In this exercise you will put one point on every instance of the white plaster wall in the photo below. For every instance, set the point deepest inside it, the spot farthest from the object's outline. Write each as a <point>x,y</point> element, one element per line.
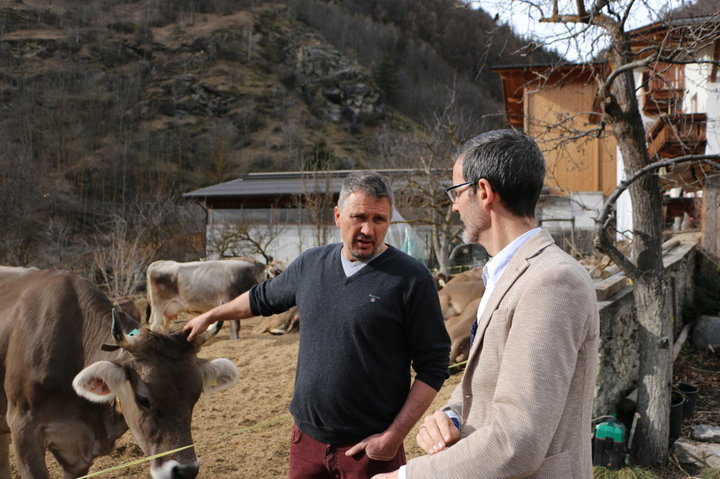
<point>623,206</point>
<point>586,208</point>
<point>701,96</point>
<point>292,240</point>
<point>697,83</point>
<point>289,243</point>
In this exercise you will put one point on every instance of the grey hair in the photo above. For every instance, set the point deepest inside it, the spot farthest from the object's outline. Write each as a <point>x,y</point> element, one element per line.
<point>511,162</point>
<point>372,183</point>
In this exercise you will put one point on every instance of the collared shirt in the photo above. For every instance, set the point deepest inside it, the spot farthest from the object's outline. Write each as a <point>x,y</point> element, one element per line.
<point>494,269</point>
<point>492,272</point>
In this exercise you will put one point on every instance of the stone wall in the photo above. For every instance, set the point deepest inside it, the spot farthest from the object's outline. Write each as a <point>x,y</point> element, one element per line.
<point>619,354</point>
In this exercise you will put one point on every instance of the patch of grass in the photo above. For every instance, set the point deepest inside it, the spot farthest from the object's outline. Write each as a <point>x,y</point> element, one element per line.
<point>710,473</point>
<point>632,472</point>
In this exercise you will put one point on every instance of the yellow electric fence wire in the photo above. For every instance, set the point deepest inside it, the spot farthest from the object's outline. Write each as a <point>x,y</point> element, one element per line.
<point>222,436</point>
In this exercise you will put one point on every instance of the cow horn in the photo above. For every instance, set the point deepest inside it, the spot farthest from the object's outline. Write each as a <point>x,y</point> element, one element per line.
<point>122,339</point>
<point>211,331</point>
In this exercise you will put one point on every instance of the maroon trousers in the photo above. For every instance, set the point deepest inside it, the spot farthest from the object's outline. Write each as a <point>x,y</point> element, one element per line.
<point>311,459</point>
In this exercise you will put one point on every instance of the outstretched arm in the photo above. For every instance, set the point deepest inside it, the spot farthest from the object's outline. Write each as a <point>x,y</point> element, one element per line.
<point>238,308</point>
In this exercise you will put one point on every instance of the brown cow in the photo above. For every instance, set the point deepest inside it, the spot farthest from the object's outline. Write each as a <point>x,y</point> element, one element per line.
<point>197,286</point>
<point>281,323</point>
<point>458,328</point>
<point>457,295</point>
<point>70,360</point>
<point>474,274</point>
<point>130,307</point>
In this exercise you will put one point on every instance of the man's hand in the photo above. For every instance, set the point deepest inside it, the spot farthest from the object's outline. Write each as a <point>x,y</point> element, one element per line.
<point>198,325</point>
<point>378,447</point>
<point>436,432</point>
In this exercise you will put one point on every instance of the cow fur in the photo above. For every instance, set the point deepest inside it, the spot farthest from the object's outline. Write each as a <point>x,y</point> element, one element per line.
<point>52,327</point>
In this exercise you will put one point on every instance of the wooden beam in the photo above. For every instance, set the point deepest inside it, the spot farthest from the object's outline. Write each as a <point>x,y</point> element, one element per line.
<point>610,286</point>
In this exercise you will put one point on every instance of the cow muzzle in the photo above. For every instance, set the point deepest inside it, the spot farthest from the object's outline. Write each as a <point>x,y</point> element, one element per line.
<point>174,470</point>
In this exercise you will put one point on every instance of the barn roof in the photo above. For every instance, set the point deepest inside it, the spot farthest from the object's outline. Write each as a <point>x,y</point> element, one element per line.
<point>262,188</point>
<point>274,184</point>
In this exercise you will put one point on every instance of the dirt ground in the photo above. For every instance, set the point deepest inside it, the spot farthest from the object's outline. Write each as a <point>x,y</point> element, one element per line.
<point>243,432</point>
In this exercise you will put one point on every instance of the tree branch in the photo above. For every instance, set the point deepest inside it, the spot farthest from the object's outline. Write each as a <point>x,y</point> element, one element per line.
<point>602,240</point>
<point>622,69</point>
<point>626,14</point>
<point>605,243</point>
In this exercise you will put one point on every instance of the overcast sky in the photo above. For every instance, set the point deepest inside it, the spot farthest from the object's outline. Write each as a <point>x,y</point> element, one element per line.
<point>524,20</point>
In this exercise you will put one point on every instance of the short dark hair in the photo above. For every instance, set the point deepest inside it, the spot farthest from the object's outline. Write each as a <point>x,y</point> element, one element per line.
<point>511,162</point>
<point>372,183</point>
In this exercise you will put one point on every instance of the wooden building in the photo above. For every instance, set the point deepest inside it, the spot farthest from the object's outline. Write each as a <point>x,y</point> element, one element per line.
<point>679,105</point>
<point>556,106</point>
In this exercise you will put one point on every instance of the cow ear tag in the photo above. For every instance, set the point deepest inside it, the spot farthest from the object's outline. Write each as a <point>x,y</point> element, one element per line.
<point>114,347</point>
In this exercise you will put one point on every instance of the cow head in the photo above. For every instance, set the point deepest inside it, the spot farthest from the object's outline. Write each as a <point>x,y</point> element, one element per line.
<point>273,269</point>
<point>156,382</point>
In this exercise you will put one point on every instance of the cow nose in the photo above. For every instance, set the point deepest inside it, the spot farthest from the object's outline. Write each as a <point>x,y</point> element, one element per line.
<point>185,471</point>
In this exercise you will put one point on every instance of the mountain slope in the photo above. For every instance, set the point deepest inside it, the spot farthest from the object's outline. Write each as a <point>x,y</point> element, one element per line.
<point>108,107</point>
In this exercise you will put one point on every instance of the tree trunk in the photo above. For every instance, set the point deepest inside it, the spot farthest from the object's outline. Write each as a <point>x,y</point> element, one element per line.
<point>440,248</point>
<point>650,288</point>
<point>655,375</point>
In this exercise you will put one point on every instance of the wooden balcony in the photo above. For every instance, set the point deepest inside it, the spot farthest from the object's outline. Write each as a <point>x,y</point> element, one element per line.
<point>663,89</point>
<point>663,101</point>
<point>677,135</point>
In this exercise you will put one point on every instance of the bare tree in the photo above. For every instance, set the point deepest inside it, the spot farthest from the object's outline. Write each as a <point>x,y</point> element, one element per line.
<point>318,200</point>
<point>245,239</point>
<point>430,152</point>
<point>672,42</point>
<point>59,235</point>
<point>122,261</point>
<point>166,224</point>
<point>423,198</point>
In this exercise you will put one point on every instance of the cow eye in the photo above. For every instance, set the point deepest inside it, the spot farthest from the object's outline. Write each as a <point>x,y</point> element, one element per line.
<point>142,401</point>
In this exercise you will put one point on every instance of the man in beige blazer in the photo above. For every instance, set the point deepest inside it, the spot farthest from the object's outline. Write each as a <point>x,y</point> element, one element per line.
<point>523,408</point>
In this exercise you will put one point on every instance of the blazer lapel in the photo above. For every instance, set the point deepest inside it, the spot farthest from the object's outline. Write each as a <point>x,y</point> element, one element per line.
<point>517,266</point>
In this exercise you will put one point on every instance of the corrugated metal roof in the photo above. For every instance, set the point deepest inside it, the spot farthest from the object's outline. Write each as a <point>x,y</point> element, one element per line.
<point>287,183</point>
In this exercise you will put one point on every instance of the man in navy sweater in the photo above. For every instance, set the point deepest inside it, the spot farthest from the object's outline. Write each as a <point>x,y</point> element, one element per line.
<point>369,313</point>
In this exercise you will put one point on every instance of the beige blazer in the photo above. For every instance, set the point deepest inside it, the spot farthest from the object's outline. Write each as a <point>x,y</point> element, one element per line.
<point>526,396</point>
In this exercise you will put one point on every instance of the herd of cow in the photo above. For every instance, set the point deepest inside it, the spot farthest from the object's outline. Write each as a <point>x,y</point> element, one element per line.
<point>78,371</point>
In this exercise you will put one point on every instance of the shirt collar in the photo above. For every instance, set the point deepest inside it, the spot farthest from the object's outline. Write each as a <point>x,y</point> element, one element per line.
<point>494,268</point>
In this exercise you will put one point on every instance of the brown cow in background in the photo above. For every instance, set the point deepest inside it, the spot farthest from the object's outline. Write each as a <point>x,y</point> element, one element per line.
<point>457,295</point>
<point>458,328</point>
<point>459,301</point>
<point>281,323</point>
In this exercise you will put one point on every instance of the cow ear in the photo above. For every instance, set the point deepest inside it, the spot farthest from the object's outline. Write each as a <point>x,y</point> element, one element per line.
<point>97,382</point>
<point>218,374</point>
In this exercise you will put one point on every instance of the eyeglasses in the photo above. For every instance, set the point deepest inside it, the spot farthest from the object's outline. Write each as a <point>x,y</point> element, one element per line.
<point>453,193</point>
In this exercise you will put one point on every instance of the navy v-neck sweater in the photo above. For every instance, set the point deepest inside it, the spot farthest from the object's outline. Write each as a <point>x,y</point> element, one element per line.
<point>359,337</point>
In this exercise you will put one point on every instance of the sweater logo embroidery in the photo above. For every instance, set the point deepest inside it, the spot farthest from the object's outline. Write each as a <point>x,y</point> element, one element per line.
<point>373,298</point>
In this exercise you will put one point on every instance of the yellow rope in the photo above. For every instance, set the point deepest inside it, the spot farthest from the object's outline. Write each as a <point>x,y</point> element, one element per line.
<point>150,458</point>
<point>222,436</point>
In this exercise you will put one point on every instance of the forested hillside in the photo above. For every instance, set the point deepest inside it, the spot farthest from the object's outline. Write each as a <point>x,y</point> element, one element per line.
<point>112,109</point>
